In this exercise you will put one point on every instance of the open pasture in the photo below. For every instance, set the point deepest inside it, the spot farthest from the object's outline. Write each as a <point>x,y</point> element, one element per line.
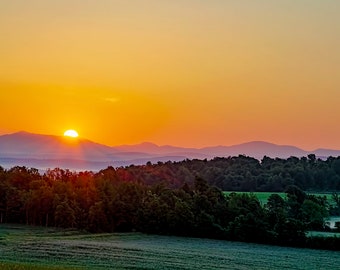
<point>26,248</point>
<point>263,196</point>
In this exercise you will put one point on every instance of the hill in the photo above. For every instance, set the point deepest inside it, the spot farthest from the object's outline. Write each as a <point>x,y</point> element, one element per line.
<point>46,151</point>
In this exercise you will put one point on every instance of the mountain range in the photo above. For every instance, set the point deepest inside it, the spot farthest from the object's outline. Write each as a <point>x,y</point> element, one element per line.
<point>47,151</point>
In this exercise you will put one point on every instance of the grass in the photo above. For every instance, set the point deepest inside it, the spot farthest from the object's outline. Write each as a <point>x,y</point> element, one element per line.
<point>25,248</point>
<point>263,196</point>
<point>323,234</point>
<point>16,266</point>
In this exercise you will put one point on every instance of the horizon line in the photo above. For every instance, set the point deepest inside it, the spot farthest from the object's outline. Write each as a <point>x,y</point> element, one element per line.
<point>176,146</point>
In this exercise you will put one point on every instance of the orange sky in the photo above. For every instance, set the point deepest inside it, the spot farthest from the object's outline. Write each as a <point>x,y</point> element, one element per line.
<point>186,73</point>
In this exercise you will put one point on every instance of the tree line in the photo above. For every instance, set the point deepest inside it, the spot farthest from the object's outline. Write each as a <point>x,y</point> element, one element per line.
<point>244,173</point>
<point>121,200</point>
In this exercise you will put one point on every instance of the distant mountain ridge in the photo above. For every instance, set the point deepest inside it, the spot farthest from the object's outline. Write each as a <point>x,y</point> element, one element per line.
<point>48,151</point>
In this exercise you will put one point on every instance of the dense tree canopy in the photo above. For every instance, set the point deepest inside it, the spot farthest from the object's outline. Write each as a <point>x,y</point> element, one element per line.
<point>243,173</point>
<point>180,198</point>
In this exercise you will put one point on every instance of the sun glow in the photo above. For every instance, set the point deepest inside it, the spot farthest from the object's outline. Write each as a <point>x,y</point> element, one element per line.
<point>71,133</point>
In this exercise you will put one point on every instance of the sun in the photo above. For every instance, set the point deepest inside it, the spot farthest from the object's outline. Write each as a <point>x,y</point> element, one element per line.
<point>71,133</point>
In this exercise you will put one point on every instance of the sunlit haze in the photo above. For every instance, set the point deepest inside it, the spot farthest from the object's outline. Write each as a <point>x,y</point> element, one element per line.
<point>71,133</point>
<point>186,73</point>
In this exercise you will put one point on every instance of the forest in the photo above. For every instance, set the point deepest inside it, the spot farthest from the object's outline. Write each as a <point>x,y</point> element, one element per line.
<point>182,198</point>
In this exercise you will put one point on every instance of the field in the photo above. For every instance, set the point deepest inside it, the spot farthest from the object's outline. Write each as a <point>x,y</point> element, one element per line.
<point>24,248</point>
<point>323,234</point>
<point>263,196</point>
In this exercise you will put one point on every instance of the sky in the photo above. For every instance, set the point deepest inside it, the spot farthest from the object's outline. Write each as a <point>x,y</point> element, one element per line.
<point>189,73</point>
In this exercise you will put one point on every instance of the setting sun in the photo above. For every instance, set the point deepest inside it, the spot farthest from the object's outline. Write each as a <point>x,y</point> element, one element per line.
<point>71,133</point>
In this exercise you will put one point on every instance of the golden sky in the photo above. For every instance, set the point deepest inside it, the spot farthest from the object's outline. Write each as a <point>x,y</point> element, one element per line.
<point>188,72</point>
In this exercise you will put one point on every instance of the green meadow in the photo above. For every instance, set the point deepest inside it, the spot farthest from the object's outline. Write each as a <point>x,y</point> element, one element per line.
<point>263,196</point>
<point>26,248</point>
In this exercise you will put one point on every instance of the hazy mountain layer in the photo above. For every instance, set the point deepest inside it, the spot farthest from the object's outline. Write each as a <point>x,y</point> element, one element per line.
<point>46,151</point>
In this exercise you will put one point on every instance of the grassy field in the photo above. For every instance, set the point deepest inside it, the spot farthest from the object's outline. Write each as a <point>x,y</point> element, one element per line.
<point>22,266</point>
<point>263,196</point>
<point>323,234</point>
<point>24,248</point>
